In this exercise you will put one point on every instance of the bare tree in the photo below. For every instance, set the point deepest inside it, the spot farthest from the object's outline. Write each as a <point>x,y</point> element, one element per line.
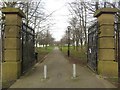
<point>35,14</point>
<point>84,12</point>
<point>79,10</point>
<point>45,38</point>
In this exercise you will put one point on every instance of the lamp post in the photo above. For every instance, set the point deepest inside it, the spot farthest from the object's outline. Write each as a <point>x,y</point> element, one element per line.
<point>68,40</point>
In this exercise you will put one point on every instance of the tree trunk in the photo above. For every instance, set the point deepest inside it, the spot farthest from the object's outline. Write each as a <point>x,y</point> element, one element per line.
<point>77,44</point>
<point>73,41</point>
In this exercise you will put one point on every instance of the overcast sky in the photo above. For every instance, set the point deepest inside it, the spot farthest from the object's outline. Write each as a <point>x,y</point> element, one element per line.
<point>60,16</point>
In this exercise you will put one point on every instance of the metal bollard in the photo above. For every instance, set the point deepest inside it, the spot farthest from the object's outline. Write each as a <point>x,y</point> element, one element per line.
<point>45,71</point>
<point>74,70</point>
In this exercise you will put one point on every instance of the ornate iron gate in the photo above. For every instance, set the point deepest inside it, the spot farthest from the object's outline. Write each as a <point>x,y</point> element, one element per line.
<point>117,43</point>
<point>119,52</point>
<point>2,36</point>
<point>119,55</point>
<point>92,47</point>
<point>116,25</point>
<point>28,42</point>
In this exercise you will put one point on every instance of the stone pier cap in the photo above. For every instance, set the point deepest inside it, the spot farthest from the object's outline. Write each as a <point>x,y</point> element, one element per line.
<point>106,11</point>
<point>10,10</point>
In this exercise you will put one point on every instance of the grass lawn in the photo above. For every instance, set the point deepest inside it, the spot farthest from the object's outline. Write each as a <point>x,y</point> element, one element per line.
<point>42,51</point>
<point>79,56</point>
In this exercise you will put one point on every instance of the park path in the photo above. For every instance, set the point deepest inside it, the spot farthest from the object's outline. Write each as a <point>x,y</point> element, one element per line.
<point>60,75</point>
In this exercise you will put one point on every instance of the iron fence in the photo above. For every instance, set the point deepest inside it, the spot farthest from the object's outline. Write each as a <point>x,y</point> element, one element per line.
<point>28,42</point>
<point>117,46</point>
<point>116,25</point>
<point>92,47</point>
<point>119,55</point>
<point>2,39</point>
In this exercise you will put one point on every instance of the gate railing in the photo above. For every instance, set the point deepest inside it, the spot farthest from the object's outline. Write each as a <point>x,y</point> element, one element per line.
<point>92,47</point>
<point>117,45</point>
<point>28,42</point>
<point>117,38</point>
<point>2,36</point>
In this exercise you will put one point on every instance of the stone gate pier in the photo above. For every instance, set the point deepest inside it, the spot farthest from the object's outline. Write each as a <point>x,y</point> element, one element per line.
<point>11,63</point>
<point>107,65</point>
